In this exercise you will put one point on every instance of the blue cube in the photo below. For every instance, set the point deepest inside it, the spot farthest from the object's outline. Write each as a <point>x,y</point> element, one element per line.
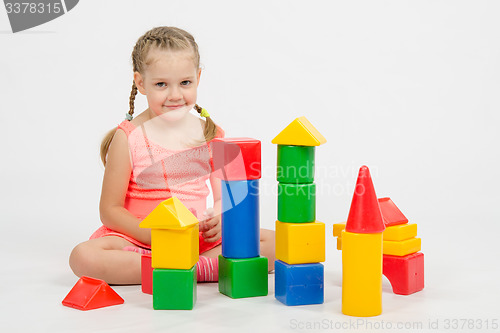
<point>240,219</point>
<point>299,284</point>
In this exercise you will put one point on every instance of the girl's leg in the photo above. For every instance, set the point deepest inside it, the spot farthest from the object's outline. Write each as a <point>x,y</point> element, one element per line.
<point>266,248</point>
<point>103,258</point>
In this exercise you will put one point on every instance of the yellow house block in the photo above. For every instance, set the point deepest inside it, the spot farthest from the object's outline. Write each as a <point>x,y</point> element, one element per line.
<point>300,132</point>
<point>337,229</point>
<point>400,232</point>
<point>175,249</point>
<point>361,274</point>
<point>402,248</point>
<point>170,214</point>
<point>300,243</point>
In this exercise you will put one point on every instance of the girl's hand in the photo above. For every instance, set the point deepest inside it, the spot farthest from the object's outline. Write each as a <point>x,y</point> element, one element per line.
<point>210,226</point>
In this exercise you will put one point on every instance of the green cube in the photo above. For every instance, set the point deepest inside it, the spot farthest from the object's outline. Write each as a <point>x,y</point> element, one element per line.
<point>297,202</point>
<point>174,289</point>
<point>239,278</point>
<point>295,164</point>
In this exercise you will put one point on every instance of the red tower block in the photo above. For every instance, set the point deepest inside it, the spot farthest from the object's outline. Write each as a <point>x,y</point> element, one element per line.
<point>406,274</point>
<point>146,274</point>
<point>89,293</point>
<point>236,158</point>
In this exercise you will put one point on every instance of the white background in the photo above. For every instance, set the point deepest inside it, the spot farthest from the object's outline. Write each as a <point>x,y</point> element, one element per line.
<point>411,89</point>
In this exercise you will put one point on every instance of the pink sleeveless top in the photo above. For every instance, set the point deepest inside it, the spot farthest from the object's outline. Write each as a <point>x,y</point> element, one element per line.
<point>159,173</point>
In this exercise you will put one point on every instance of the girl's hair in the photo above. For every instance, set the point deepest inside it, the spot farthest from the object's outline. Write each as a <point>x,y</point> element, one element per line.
<point>168,39</point>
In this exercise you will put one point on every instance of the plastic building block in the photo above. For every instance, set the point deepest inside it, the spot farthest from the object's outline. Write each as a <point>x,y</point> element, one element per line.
<point>174,289</point>
<point>299,284</point>
<point>146,274</point>
<point>296,202</point>
<point>240,218</point>
<point>300,132</point>
<point>295,164</point>
<point>361,274</point>
<point>239,278</point>
<point>170,214</point>
<point>175,249</point>
<point>236,158</point>
<point>339,243</point>
<point>300,243</point>
<point>391,213</point>
<point>400,232</point>
<point>402,248</point>
<point>89,293</point>
<point>364,216</point>
<point>337,229</point>
<point>406,274</point>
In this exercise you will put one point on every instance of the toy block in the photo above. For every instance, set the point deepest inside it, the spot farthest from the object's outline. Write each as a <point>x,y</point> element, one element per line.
<point>300,243</point>
<point>337,229</point>
<point>174,289</point>
<point>402,248</point>
<point>175,249</point>
<point>391,213</point>
<point>146,274</point>
<point>296,202</point>
<point>300,132</point>
<point>406,274</point>
<point>299,284</point>
<point>339,243</point>
<point>361,274</point>
<point>400,232</point>
<point>364,215</point>
<point>170,214</point>
<point>240,219</point>
<point>239,278</point>
<point>236,158</point>
<point>89,293</point>
<point>295,164</point>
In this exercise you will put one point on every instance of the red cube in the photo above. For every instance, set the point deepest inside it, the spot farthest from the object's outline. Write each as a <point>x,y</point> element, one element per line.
<point>236,158</point>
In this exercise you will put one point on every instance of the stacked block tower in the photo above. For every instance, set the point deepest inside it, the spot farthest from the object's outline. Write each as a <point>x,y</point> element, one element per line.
<point>362,252</point>
<point>403,264</point>
<point>300,239</point>
<point>174,254</point>
<point>243,272</point>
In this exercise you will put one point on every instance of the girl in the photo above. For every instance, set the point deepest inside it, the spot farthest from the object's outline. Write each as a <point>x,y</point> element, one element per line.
<point>163,152</point>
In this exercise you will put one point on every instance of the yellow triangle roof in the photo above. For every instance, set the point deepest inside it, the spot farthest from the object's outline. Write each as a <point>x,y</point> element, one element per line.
<point>169,214</point>
<point>300,132</point>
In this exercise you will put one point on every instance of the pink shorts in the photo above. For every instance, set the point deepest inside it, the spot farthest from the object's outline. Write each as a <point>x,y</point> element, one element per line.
<point>141,208</point>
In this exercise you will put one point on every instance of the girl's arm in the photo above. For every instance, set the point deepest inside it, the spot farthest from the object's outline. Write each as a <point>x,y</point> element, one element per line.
<point>114,188</point>
<point>211,225</point>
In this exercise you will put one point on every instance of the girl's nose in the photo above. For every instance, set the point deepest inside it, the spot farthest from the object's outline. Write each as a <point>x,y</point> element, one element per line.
<point>174,94</point>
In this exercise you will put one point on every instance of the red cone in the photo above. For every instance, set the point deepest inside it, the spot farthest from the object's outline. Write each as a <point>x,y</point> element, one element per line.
<point>89,293</point>
<point>364,215</point>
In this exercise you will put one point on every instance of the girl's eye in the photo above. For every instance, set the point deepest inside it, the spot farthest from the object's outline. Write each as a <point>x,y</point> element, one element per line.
<point>161,84</point>
<point>185,83</point>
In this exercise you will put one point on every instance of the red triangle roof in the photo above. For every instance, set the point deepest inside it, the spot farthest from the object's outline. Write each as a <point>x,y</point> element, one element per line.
<point>364,216</point>
<point>89,293</point>
<point>391,213</point>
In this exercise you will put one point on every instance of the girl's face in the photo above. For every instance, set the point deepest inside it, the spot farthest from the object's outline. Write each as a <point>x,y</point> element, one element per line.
<point>170,83</point>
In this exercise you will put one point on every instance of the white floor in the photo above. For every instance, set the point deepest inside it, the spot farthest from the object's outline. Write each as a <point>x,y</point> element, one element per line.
<point>461,292</point>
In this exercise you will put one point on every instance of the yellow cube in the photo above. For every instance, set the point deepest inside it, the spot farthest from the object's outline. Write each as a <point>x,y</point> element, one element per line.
<point>300,243</point>
<point>339,243</point>
<point>402,248</point>
<point>175,248</point>
<point>400,232</point>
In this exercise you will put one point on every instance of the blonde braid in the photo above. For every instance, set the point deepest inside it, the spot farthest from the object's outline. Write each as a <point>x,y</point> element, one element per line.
<point>133,93</point>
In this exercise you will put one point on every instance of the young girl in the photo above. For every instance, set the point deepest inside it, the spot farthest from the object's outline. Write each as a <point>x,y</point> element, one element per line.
<point>163,152</point>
